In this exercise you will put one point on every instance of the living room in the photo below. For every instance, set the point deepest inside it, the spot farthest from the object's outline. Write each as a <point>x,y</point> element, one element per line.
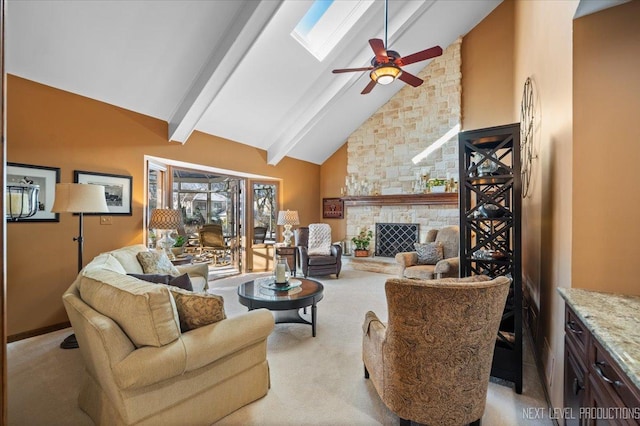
<point>585,75</point>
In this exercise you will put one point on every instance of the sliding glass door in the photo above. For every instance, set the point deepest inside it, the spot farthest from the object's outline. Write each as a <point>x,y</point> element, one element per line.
<point>245,208</point>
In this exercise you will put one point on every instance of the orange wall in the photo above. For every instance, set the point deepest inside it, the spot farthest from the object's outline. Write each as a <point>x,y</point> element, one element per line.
<point>54,128</point>
<point>533,39</point>
<point>332,174</point>
<point>606,186</point>
<point>487,71</point>
<point>579,229</point>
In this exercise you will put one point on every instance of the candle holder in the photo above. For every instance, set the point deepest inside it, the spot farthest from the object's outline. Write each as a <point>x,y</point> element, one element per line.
<point>282,272</point>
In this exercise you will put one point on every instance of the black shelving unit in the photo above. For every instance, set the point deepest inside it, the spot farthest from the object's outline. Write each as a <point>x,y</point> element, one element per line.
<point>490,229</point>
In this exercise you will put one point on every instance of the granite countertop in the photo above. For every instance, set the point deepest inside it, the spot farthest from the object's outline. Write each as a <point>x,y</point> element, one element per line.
<point>614,320</point>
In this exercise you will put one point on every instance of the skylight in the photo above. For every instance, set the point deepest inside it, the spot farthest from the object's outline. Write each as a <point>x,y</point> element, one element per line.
<point>326,22</point>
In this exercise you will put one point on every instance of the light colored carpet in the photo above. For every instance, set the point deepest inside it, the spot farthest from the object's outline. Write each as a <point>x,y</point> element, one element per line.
<point>314,381</point>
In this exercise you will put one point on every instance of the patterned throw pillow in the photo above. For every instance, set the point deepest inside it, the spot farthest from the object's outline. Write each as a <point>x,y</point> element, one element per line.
<point>429,253</point>
<point>197,309</point>
<point>319,239</point>
<point>156,262</point>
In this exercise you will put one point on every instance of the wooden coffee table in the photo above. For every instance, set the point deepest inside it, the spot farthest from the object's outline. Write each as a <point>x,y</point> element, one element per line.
<point>285,304</point>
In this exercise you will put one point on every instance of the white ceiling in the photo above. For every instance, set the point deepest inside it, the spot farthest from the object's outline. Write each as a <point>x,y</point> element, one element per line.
<point>225,67</point>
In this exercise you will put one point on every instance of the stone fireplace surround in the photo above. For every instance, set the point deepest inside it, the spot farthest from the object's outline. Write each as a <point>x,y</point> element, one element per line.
<point>381,150</point>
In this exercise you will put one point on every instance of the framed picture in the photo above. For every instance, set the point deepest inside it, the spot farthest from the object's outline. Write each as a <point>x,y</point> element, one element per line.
<point>332,208</point>
<point>46,178</point>
<point>117,190</point>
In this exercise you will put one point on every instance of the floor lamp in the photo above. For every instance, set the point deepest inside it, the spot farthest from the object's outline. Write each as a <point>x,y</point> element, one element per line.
<point>78,198</point>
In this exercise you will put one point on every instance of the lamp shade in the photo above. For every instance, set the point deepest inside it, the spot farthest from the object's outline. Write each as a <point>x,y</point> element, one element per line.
<point>79,198</point>
<point>165,219</point>
<point>288,218</point>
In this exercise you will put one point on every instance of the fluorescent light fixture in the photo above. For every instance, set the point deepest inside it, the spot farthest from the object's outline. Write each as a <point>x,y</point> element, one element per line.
<point>437,144</point>
<point>326,22</point>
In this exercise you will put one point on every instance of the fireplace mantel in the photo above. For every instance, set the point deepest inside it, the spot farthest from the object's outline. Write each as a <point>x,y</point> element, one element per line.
<point>433,199</point>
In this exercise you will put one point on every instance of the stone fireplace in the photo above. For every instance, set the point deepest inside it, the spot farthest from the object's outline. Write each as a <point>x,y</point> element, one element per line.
<point>380,152</point>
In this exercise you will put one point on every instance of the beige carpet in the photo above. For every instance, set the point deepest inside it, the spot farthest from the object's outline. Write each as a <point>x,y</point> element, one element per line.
<point>314,381</point>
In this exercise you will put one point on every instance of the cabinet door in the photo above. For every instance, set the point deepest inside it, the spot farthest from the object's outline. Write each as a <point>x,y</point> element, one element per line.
<point>599,399</point>
<point>574,385</point>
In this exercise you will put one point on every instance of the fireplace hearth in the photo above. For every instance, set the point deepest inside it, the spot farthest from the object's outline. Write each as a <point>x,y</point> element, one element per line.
<point>393,238</point>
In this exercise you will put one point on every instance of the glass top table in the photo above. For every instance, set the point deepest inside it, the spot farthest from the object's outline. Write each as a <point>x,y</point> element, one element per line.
<point>285,304</point>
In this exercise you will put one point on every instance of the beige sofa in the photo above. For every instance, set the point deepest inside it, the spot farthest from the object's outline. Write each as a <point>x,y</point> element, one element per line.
<point>141,369</point>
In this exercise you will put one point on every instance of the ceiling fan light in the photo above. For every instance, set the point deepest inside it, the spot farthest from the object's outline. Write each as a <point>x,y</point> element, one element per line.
<point>385,74</point>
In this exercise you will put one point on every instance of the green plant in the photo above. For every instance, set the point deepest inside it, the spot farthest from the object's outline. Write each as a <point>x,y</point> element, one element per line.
<point>180,241</point>
<point>363,239</point>
<point>437,182</point>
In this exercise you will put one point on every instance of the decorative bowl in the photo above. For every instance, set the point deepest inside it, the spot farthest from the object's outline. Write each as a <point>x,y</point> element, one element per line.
<point>491,211</point>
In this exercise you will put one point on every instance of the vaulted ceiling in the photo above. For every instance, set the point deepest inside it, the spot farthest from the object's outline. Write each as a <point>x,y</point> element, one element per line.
<point>228,68</point>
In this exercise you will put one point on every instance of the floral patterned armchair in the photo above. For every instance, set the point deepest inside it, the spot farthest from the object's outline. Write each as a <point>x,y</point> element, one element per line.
<point>431,362</point>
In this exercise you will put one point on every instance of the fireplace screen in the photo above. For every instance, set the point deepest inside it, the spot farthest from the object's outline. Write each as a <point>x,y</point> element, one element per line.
<point>393,238</point>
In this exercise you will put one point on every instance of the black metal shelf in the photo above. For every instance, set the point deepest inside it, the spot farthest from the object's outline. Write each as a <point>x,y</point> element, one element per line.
<point>496,150</point>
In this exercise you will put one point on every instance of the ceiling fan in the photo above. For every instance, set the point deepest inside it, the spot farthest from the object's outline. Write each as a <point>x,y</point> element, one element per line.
<point>387,65</point>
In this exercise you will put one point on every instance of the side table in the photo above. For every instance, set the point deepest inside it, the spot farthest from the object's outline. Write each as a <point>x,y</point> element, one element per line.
<point>291,254</point>
<point>184,260</point>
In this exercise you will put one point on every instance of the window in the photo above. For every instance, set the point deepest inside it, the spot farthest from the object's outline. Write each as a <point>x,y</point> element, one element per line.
<point>326,22</point>
<point>265,207</point>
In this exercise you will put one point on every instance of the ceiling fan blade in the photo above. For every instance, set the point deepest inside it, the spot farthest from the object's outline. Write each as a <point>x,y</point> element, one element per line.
<point>410,79</point>
<point>369,87</point>
<point>420,56</point>
<point>338,71</point>
<point>378,48</point>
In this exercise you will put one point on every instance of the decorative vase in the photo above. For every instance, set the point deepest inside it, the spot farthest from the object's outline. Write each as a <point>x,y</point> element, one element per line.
<point>361,253</point>
<point>177,250</point>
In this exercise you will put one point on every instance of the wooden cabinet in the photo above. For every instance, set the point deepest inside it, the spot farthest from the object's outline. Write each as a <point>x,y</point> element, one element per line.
<point>595,387</point>
<point>490,230</point>
<point>575,369</point>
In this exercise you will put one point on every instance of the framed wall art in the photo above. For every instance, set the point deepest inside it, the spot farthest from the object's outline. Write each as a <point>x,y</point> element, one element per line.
<point>46,178</point>
<point>117,190</point>
<point>332,208</point>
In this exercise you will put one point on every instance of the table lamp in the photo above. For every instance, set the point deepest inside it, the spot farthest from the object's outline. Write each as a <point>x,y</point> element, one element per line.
<point>288,219</point>
<point>166,220</point>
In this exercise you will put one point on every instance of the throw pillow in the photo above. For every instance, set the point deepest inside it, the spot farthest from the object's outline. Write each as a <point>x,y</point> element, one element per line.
<point>319,239</point>
<point>156,262</point>
<point>152,278</point>
<point>197,309</point>
<point>182,281</point>
<point>429,253</point>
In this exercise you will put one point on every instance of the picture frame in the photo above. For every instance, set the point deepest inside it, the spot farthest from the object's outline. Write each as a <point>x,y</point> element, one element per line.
<point>118,190</point>
<point>332,208</point>
<point>43,176</point>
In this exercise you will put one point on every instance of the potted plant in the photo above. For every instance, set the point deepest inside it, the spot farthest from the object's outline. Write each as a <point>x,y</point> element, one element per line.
<point>178,246</point>
<point>362,241</point>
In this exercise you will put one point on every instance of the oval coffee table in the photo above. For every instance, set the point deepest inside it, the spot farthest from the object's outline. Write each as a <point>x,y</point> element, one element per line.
<point>285,304</point>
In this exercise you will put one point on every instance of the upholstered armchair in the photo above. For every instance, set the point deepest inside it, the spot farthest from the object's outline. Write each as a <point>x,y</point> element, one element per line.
<point>317,255</point>
<point>447,265</point>
<point>430,363</point>
<point>212,241</point>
